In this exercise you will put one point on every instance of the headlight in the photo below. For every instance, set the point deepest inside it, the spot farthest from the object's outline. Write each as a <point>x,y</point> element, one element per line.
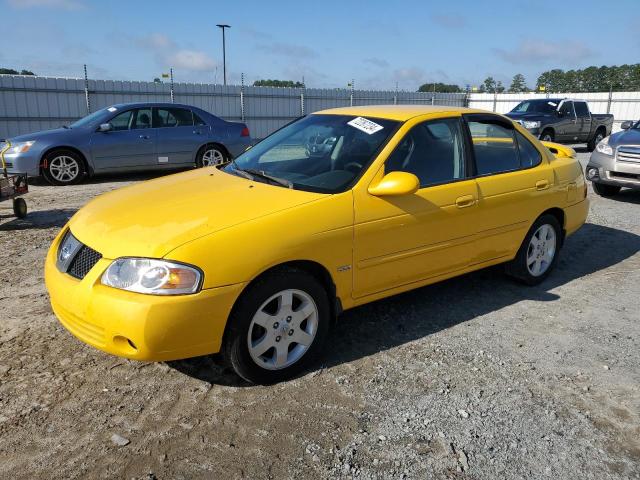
<point>20,147</point>
<point>604,148</point>
<point>528,124</point>
<point>155,277</point>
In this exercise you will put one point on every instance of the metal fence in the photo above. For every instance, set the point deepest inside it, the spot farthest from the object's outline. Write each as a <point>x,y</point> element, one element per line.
<point>29,104</point>
<point>623,105</point>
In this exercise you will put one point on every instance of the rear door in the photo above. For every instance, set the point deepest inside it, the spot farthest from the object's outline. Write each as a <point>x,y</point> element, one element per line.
<point>130,143</point>
<point>178,136</point>
<point>584,120</point>
<point>513,182</point>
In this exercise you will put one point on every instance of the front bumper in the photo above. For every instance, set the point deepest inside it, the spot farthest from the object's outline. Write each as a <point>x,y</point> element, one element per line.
<point>611,171</point>
<point>138,326</point>
<point>28,163</point>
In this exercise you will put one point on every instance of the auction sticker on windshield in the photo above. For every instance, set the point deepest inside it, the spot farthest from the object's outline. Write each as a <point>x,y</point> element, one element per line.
<point>367,126</point>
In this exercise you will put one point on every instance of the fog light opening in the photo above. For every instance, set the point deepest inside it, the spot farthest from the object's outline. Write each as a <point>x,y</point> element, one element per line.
<point>592,173</point>
<point>125,345</point>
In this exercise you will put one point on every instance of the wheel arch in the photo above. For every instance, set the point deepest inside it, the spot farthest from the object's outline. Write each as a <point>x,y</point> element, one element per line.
<point>213,144</point>
<point>46,153</point>
<point>560,215</point>
<point>313,268</point>
<point>548,128</point>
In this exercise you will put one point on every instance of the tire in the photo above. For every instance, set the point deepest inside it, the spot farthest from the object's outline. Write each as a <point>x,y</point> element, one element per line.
<point>605,190</point>
<point>524,267</point>
<point>63,167</point>
<point>211,155</point>
<point>547,136</point>
<point>591,144</point>
<point>261,326</point>
<point>19,207</point>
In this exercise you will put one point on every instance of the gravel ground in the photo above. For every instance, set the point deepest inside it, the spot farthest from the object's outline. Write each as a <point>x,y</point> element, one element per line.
<point>476,377</point>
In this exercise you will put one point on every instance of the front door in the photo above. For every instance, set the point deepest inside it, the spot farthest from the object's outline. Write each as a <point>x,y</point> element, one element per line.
<point>405,239</point>
<point>567,129</point>
<point>130,143</point>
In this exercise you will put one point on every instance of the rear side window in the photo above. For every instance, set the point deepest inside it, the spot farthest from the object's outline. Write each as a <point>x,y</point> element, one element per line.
<point>172,117</point>
<point>529,155</point>
<point>494,147</point>
<point>581,109</point>
<point>198,121</point>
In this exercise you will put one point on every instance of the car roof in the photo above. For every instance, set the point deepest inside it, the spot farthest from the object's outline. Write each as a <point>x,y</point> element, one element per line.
<point>396,112</point>
<point>152,104</point>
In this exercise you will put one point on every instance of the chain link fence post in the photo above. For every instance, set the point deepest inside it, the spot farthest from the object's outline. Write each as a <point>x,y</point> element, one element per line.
<point>171,84</point>
<point>86,89</point>
<point>302,98</point>
<point>395,95</point>
<point>610,98</point>
<point>242,96</point>
<point>351,95</point>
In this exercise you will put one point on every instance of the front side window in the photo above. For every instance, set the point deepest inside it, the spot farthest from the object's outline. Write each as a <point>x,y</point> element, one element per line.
<point>494,147</point>
<point>567,109</point>
<point>122,121</point>
<point>321,153</point>
<point>433,151</point>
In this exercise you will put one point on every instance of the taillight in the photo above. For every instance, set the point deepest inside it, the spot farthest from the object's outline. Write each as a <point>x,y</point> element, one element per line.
<point>244,132</point>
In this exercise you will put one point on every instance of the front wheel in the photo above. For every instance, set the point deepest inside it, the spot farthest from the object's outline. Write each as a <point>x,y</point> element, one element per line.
<point>605,190</point>
<point>63,167</point>
<point>547,136</point>
<point>277,327</point>
<point>538,253</point>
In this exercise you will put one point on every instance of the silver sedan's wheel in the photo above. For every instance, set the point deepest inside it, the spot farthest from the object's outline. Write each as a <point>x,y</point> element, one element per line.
<point>211,157</point>
<point>283,329</point>
<point>541,250</point>
<point>64,169</point>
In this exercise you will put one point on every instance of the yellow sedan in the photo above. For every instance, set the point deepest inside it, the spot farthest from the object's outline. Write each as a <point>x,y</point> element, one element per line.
<point>256,258</point>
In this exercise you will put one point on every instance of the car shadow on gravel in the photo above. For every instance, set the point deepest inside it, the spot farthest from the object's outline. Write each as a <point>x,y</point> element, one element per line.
<point>384,324</point>
<point>39,219</point>
<point>627,196</point>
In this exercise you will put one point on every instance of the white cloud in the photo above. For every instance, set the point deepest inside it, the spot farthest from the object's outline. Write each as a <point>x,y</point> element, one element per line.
<point>155,41</point>
<point>541,51</point>
<point>58,4</point>
<point>191,60</point>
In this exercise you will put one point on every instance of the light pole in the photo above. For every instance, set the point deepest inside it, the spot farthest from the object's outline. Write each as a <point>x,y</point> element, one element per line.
<point>224,53</point>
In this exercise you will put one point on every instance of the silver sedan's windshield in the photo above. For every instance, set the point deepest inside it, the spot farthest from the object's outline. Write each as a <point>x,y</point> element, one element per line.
<point>321,153</point>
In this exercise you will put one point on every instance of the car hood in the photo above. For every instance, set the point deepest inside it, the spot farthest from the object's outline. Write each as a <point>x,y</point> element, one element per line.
<point>625,137</point>
<point>152,218</point>
<point>44,135</point>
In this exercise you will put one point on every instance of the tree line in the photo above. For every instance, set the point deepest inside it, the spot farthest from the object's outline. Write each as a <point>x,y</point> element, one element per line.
<point>11,71</point>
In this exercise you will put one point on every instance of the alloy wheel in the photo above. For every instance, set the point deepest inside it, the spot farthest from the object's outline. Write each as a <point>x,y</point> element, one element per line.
<point>64,169</point>
<point>212,157</point>
<point>541,250</point>
<point>282,329</point>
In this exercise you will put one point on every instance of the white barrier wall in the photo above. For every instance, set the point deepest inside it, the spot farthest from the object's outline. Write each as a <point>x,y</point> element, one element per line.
<point>623,105</point>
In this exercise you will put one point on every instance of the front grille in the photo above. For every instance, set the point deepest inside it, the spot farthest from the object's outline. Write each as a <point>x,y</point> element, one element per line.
<point>84,261</point>
<point>629,154</point>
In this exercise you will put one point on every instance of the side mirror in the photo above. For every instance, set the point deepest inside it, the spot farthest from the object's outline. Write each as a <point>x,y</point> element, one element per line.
<point>626,125</point>
<point>396,183</point>
<point>105,127</point>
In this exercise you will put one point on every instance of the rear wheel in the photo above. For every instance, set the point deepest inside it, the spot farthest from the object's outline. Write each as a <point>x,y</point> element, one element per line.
<point>597,138</point>
<point>63,167</point>
<point>277,327</point>
<point>547,136</point>
<point>538,253</point>
<point>605,190</point>
<point>210,156</point>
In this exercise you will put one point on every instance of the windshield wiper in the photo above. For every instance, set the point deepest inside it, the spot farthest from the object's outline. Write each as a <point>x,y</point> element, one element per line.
<point>260,173</point>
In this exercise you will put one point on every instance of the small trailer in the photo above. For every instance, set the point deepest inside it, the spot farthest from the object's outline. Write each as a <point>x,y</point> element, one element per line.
<point>12,186</point>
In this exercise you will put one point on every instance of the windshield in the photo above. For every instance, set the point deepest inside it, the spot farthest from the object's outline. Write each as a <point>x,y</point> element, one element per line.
<point>536,106</point>
<point>320,153</point>
<point>89,119</point>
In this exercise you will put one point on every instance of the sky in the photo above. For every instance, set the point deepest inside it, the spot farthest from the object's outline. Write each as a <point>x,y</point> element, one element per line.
<point>377,44</point>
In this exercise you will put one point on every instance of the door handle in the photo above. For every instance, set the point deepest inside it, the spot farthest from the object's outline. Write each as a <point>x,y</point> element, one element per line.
<point>542,184</point>
<point>465,201</point>
<point>197,132</point>
<point>144,137</point>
